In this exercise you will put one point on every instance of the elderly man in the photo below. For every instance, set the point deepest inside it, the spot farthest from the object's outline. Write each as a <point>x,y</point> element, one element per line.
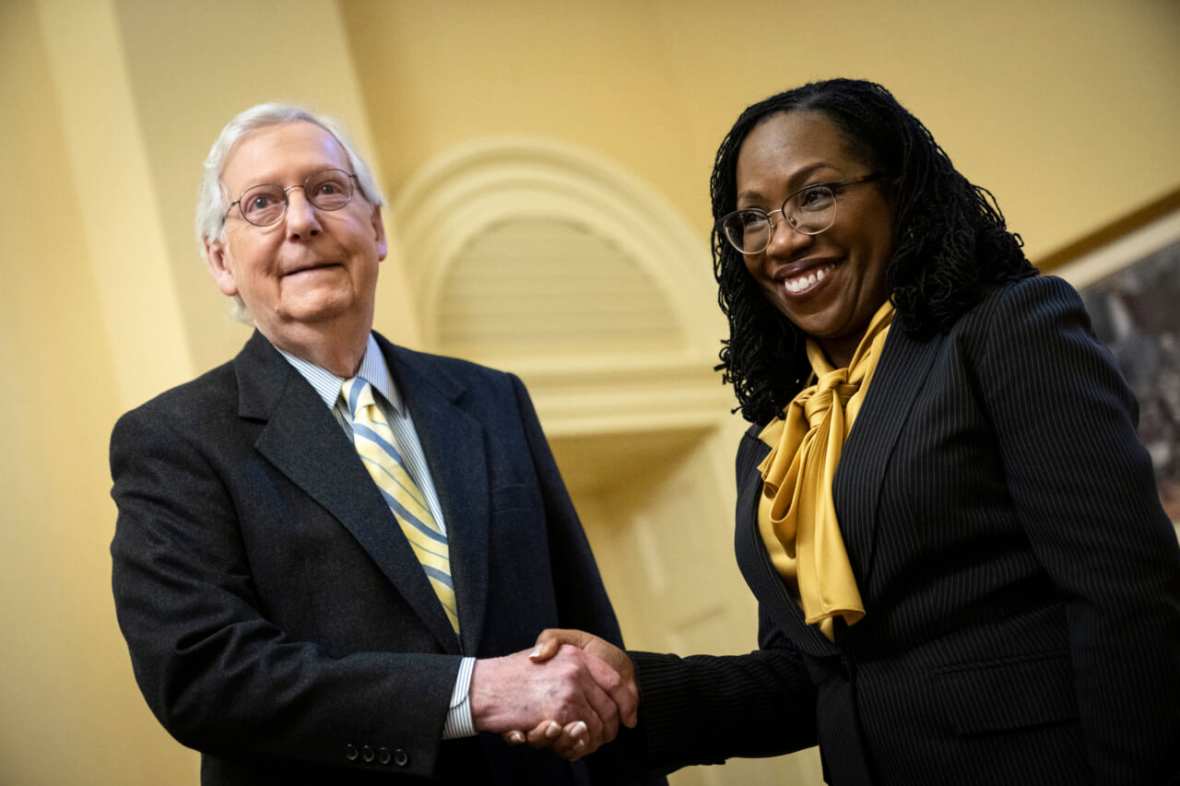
<point>332,552</point>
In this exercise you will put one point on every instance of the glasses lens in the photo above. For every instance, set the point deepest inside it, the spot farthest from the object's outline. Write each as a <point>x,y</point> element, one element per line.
<point>263,205</point>
<point>812,210</point>
<point>330,189</point>
<point>747,230</point>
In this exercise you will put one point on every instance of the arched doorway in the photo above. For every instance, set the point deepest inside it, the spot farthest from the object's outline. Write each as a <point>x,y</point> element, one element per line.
<point>557,265</point>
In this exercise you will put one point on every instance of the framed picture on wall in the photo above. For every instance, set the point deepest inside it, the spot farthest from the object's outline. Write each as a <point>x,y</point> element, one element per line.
<point>1129,277</point>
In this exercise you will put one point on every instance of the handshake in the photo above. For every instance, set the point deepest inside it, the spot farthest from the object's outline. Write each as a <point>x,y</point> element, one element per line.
<point>568,694</point>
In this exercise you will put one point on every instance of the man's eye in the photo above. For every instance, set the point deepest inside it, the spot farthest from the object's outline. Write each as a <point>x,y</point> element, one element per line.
<point>261,201</point>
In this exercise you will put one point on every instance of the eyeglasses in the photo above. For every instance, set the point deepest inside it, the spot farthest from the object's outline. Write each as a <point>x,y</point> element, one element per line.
<point>265,205</point>
<point>809,211</point>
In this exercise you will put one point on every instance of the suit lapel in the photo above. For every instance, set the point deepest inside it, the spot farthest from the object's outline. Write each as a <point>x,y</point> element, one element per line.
<point>453,442</point>
<point>901,373</point>
<point>304,441</point>
<point>764,580</point>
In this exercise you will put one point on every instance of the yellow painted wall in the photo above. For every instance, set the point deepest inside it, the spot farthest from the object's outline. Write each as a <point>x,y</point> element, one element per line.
<point>69,713</point>
<point>1066,109</point>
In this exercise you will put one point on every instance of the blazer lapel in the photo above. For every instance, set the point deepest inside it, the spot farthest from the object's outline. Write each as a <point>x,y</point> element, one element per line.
<point>304,441</point>
<point>764,580</point>
<point>453,442</point>
<point>901,373</point>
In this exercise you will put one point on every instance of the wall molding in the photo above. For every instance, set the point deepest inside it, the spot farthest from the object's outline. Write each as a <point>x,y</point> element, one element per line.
<point>470,188</point>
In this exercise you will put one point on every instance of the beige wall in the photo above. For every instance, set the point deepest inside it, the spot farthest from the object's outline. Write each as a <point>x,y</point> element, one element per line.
<point>1066,110</point>
<point>69,713</point>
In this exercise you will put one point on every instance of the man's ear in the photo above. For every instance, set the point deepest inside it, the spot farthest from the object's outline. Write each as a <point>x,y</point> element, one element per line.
<point>379,233</point>
<point>223,275</point>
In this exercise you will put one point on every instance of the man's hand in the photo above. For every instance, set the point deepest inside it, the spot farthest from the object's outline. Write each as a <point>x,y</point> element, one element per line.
<point>568,690</point>
<point>572,741</point>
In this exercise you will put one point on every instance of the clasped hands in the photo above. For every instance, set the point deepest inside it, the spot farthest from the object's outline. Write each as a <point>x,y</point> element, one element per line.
<point>569,693</point>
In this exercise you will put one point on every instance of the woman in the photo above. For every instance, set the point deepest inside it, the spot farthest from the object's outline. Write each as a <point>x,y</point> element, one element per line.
<point>963,570</point>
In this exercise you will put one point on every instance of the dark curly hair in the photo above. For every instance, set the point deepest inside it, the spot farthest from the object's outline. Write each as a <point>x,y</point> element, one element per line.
<point>950,239</point>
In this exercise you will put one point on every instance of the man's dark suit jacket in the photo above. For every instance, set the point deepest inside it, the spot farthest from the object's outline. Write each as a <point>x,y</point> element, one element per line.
<point>1020,579</point>
<point>277,619</point>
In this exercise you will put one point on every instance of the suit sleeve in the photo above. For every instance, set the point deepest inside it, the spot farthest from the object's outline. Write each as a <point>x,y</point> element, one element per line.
<point>704,709</point>
<point>216,672</point>
<point>1085,494</point>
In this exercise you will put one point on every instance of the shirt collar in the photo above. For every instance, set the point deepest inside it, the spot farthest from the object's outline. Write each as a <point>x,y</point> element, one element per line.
<point>327,385</point>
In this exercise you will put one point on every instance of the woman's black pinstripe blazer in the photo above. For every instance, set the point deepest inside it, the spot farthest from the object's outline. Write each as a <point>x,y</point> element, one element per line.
<point>1021,581</point>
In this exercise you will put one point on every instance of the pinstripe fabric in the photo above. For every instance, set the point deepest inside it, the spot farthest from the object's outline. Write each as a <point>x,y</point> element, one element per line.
<point>1021,582</point>
<point>375,444</point>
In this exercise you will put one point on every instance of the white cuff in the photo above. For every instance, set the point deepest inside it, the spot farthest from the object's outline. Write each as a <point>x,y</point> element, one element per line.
<point>459,722</point>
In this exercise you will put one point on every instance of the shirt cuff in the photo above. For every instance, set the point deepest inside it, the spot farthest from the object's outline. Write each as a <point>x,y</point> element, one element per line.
<point>459,722</point>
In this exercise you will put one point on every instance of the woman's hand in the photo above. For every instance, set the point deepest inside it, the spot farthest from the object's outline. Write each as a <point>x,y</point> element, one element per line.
<point>612,670</point>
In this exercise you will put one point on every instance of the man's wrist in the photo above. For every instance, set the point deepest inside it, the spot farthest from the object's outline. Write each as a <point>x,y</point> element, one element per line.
<point>459,722</point>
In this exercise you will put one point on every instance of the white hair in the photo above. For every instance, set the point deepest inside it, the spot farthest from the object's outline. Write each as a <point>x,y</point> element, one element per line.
<point>212,199</point>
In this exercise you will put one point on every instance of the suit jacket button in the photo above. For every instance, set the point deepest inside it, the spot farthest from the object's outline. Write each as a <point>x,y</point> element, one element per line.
<point>400,757</point>
<point>350,752</point>
<point>367,754</point>
<point>383,756</point>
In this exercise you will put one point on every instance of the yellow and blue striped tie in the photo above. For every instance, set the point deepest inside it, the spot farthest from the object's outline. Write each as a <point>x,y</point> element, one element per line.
<point>377,448</point>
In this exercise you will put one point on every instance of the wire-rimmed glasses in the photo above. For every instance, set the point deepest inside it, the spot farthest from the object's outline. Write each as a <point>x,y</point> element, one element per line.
<point>264,205</point>
<point>809,211</point>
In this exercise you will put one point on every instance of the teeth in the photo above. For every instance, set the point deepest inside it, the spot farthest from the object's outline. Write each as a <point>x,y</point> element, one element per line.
<point>807,280</point>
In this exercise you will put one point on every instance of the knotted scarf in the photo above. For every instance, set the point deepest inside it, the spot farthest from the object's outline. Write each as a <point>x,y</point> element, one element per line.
<point>797,514</point>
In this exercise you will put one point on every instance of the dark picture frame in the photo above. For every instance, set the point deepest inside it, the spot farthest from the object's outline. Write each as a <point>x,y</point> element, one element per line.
<point>1128,274</point>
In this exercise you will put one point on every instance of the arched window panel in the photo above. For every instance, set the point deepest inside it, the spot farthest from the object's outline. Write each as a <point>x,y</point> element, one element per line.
<point>536,288</point>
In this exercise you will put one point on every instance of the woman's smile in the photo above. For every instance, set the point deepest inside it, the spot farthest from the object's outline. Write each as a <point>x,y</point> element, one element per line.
<point>807,281</point>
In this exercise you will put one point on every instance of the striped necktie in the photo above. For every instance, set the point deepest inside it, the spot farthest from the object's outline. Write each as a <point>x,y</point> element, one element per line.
<point>377,448</point>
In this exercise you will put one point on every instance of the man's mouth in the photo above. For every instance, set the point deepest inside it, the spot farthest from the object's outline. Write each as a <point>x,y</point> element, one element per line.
<point>311,268</point>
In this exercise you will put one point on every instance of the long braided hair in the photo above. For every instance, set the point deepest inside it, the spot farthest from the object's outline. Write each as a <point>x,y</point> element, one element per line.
<point>950,239</point>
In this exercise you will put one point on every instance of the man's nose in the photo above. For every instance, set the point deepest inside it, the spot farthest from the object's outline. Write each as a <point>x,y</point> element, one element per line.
<point>302,219</point>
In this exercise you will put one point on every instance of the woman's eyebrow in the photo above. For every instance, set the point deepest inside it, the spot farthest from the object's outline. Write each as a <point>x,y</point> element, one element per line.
<point>794,182</point>
<point>797,179</point>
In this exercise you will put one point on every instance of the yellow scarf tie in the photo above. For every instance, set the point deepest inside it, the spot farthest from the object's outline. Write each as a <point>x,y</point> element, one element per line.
<point>796,514</point>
